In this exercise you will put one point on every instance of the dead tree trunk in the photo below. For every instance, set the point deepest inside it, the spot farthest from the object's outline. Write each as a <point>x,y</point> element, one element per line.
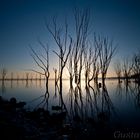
<point>94,53</point>
<point>3,73</point>
<point>118,70</point>
<point>82,19</point>
<point>64,44</point>
<point>127,70</point>
<point>88,62</point>
<point>42,62</point>
<point>136,67</point>
<point>71,69</point>
<point>106,52</point>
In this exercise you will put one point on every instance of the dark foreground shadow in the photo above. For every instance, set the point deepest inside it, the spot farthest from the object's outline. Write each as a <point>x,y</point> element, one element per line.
<point>87,114</point>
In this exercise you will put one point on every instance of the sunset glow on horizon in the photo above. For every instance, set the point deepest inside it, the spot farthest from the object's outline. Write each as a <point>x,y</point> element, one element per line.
<point>23,22</point>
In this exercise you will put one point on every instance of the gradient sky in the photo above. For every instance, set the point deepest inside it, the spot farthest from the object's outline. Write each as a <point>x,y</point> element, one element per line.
<point>22,22</point>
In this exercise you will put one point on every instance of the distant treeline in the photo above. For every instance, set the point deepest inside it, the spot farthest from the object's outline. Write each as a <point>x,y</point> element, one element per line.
<point>26,76</point>
<point>129,68</point>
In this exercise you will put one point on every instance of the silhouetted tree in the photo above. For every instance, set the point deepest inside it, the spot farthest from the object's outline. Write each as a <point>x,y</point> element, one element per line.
<point>82,20</point>
<point>97,70</point>
<point>136,67</point>
<point>106,52</point>
<point>12,75</point>
<point>95,64</point>
<point>64,43</point>
<point>88,61</point>
<point>31,77</point>
<point>40,77</point>
<point>71,68</point>
<point>19,77</point>
<point>56,76</point>
<point>127,69</point>
<point>27,76</point>
<point>3,73</point>
<point>118,70</point>
<point>42,61</point>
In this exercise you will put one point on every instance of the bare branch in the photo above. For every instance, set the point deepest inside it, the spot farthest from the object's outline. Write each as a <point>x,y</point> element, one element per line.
<point>35,55</point>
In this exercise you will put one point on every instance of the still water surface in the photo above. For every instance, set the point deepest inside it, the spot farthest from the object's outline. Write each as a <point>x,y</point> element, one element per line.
<point>119,102</point>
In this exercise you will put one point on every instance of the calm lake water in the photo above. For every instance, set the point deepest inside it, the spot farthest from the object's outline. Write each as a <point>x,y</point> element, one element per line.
<point>120,103</point>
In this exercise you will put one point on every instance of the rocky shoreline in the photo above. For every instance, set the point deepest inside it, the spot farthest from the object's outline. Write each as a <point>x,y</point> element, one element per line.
<point>17,123</point>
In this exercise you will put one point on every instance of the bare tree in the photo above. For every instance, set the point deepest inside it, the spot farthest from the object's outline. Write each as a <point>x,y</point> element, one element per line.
<point>56,76</point>
<point>97,70</point>
<point>40,77</point>
<point>18,76</point>
<point>88,61</point>
<point>12,75</point>
<point>31,78</point>
<point>94,52</point>
<point>27,76</point>
<point>136,66</point>
<point>82,20</point>
<point>42,61</point>
<point>64,43</point>
<point>118,70</point>
<point>127,69</point>
<point>71,68</point>
<point>106,52</point>
<point>3,73</point>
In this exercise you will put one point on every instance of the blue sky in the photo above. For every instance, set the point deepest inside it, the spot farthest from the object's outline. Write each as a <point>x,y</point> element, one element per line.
<point>22,22</point>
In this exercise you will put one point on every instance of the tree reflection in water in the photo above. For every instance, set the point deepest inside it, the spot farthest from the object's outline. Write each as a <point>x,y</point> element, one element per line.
<point>44,99</point>
<point>89,109</point>
<point>136,93</point>
<point>3,88</point>
<point>138,96</point>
